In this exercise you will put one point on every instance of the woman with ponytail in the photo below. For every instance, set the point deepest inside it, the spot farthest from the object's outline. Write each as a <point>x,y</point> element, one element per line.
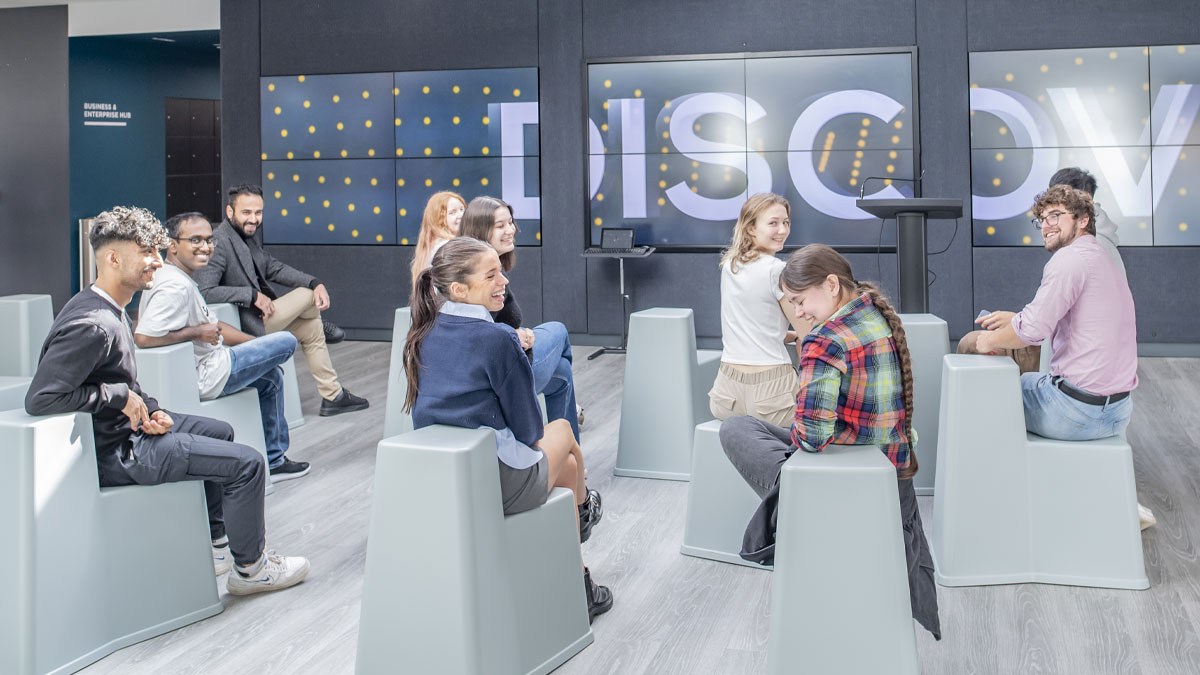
<point>856,388</point>
<point>464,370</point>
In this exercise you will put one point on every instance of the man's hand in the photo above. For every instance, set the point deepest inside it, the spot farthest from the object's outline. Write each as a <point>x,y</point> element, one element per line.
<point>995,320</point>
<point>135,410</point>
<point>209,333</point>
<point>321,297</point>
<point>790,337</point>
<point>526,337</point>
<point>264,305</point>
<point>984,343</point>
<point>158,424</point>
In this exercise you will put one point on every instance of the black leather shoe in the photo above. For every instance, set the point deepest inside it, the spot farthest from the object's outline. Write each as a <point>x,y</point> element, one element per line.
<point>590,512</point>
<point>599,598</point>
<point>344,403</point>
<point>333,334</point>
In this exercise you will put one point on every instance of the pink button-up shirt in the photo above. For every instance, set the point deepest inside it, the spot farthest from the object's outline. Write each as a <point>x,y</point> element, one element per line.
<point>1085,309</point>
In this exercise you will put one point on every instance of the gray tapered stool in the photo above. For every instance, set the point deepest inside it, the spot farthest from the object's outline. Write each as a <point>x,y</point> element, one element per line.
<point>454,586</point>
<point>80,553</point>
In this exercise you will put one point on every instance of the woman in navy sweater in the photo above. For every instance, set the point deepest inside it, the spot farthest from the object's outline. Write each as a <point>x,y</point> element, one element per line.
<point>491,220</point>
<point>465,370</point>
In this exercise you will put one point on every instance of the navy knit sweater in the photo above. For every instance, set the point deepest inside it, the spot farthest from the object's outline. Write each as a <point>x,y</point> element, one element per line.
<point>474,374</point>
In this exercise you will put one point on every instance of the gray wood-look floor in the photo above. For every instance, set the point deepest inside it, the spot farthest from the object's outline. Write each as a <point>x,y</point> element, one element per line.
<point>675,614</point>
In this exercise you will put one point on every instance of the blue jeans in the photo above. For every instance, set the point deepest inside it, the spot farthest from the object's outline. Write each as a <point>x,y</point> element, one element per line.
<point>256,364</point>
<point>1051,413</point>
<point>552,372</point>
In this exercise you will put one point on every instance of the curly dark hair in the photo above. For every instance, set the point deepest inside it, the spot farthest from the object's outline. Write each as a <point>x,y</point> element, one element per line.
<point>1077,202</point>
<point>127,223</point>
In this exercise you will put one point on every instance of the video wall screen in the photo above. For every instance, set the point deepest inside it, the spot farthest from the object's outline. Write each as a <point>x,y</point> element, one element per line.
<point>1127,115</point>
<point>352,159</point>
<point>676,146</point>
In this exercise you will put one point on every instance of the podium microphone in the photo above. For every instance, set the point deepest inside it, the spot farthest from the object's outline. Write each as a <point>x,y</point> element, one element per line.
<point>863,190</point>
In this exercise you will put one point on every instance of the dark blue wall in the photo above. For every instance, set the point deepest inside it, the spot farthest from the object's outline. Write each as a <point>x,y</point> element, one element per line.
<point>557,35</point>
<point>127,165</point>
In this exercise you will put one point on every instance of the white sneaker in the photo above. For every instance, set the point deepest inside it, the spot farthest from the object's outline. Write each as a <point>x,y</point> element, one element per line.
<point>276,573</point>
<point>222,560</point>
<point>1146,517</point>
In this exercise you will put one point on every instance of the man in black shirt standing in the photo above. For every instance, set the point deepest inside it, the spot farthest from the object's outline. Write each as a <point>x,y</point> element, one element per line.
<point>88,365</point>
<point>241,272</point>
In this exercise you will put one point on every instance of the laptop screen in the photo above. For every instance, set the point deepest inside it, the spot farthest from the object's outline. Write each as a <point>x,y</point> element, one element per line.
<point>616,238</point>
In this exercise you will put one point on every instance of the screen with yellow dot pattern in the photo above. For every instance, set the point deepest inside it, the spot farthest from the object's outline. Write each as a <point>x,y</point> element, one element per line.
<point>677,145</point>
<point>1124,114</point>
<point>352,159</point>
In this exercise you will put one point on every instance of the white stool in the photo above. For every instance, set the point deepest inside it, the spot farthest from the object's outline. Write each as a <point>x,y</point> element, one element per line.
<point>839,594</point>
<point>228,313</point>
<point>12,392</point>
<point>169,375</point>
<point>395,420</point>
<point>452,585</point>
<point>720,503</point>
<point>76,551</point>
<point>1013,507</point>
<point>26,320</point>
<point>928,341</point>
<point>665,394</point>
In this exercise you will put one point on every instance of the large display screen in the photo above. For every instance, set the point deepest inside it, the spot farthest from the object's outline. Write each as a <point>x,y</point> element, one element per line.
<point>352,159</point>
<point>676,146</point>
<point>1127,115</point>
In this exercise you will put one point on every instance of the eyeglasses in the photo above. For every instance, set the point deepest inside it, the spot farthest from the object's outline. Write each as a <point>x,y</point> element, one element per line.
<point>1050,219</point>
<point>197,241</point>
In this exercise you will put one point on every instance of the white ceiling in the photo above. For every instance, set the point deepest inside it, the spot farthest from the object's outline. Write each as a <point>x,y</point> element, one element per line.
<point>122,17</point>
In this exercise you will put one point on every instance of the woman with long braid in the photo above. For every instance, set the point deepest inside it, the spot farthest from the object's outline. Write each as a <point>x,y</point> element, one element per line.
<point>856,388</point>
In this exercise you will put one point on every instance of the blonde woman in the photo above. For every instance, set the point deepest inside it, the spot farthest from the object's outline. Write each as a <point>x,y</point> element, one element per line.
<point>756,377</point>
<point>440,223</point>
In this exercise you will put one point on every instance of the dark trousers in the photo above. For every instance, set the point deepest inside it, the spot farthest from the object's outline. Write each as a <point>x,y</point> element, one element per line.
<point>200,448</point>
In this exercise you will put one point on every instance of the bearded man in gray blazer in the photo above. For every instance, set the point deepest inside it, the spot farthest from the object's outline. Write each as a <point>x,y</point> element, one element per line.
<point>241,272</point>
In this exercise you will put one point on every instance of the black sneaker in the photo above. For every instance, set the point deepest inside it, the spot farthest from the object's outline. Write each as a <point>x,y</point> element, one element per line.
<point>599,598</point>
<point>289,470</point>
<point>344,403</point>
<point>590,512</point>
<point>333,334</point>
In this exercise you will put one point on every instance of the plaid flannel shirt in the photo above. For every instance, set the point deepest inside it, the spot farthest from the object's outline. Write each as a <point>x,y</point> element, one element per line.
<point>851,392</point>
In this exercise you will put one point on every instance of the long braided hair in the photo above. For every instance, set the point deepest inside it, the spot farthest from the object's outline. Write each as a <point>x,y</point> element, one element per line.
<point>811,266</point>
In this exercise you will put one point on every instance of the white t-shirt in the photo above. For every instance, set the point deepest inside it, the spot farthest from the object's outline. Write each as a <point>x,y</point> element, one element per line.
<point>174,302</point>
<point>753,325</point>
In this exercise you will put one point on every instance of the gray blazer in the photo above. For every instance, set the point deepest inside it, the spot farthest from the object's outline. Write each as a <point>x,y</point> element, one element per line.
<point>229,275</point>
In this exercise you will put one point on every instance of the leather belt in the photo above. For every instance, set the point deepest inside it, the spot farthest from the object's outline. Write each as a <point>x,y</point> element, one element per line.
<point>1083,396</point>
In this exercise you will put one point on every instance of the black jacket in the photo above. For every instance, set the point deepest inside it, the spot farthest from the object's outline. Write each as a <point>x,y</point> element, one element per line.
<point>233,273</point>
<point>88,366</point>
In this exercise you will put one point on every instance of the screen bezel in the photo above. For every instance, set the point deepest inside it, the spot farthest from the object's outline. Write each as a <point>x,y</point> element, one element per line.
<point>911,51</point>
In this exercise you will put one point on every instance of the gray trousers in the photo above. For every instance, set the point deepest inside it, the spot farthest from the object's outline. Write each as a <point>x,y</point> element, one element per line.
<point>200,448</point>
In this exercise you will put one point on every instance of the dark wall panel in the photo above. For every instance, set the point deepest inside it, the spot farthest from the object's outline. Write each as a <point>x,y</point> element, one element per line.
<point>34,153</point>
<point>942,105</point>
<point>563,192</point>
<point>241,139</point>
<point>1030,24</point>
<point>383,35</point>
<point>636,28</point>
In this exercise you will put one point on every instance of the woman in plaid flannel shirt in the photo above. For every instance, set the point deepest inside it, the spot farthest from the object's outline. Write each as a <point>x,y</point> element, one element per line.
<point>855,389</point>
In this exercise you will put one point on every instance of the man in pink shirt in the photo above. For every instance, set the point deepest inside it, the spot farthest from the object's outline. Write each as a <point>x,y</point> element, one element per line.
<point>1085,309</point>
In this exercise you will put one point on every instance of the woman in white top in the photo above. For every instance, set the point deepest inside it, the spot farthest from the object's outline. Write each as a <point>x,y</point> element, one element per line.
<point>756,377</point>
<point>440,224</point>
